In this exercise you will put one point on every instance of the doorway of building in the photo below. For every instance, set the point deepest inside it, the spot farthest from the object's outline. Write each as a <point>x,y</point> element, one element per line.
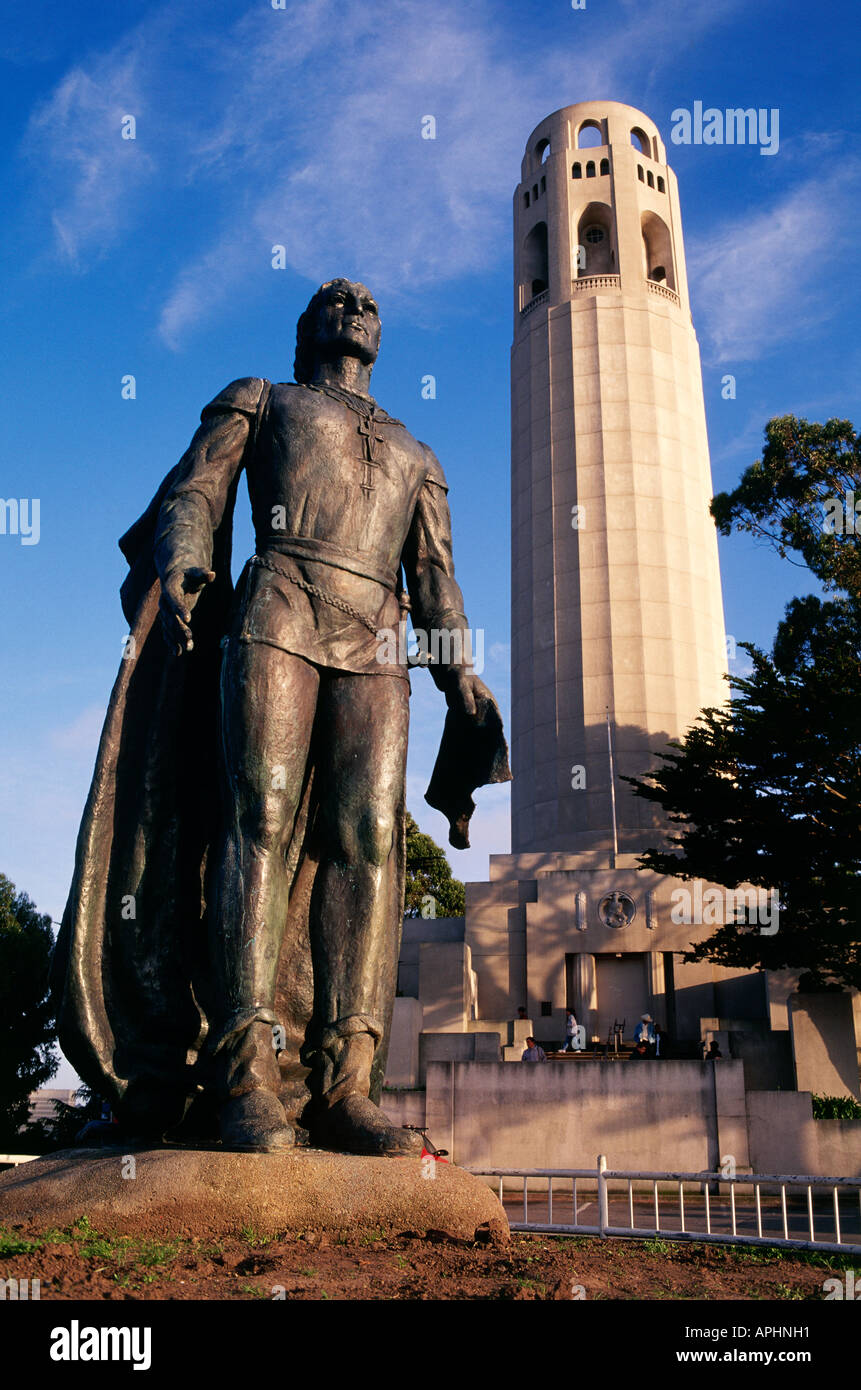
<point>623,992</point>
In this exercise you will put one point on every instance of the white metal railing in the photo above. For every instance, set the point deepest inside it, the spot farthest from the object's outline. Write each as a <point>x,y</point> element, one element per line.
<point>704,1212</point>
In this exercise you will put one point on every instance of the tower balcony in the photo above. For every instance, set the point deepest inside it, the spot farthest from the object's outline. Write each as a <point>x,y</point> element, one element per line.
<point>586,283</point>
<point>538,299</point>
<point>596,282</point>
<point>663,291</point>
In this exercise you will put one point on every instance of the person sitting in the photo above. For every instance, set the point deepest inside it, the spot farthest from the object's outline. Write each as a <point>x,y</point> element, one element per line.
<point>645,1032</point>
<point>572,1033</point>
<point>533,1052</point>
<point>641,1049</point>
<point>713,1052</point>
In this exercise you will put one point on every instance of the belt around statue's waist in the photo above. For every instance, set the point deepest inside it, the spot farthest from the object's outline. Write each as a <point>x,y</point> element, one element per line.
<point>327,553</point>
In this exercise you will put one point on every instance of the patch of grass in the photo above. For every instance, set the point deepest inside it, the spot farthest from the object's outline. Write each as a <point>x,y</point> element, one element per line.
<point>820,1259</point>
<point>122,1250</point>
<point>253,1238</point>
<point>757,1254</point>
<point>787,1291</point>
<point>157,1252</point>
<point>657,1247</point>
<point>375,1234</point>
<point>532,1286</point>
<point>53,1236</point>
<point>12,1244</point>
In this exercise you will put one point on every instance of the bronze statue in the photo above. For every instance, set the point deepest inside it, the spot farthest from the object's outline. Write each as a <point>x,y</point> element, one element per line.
<point>231,939</point>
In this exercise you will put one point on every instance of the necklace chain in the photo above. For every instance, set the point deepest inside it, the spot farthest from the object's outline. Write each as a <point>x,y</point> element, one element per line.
<point>362,405</point>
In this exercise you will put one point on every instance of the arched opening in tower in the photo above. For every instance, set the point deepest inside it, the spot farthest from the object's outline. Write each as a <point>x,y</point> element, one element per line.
<point>590,136</point>
<point>535,275</point>
<point>641,141</point>
<point>596,253</point>
<point>657,250</point>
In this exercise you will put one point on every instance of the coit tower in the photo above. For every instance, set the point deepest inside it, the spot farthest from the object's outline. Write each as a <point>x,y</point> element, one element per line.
<point>617,621</point>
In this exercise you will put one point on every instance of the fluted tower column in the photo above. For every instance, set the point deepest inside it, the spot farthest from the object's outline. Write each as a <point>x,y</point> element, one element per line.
<point>616,597</point>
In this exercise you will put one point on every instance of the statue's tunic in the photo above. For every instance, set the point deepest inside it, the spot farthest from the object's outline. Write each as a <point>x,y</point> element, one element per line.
<point>339,502</point>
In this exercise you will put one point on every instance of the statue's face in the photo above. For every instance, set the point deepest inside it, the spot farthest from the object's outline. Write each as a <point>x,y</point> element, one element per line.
<point>348,323</point>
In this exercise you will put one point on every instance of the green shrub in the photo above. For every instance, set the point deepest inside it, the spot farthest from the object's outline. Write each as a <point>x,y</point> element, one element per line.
<point>836,1108</point>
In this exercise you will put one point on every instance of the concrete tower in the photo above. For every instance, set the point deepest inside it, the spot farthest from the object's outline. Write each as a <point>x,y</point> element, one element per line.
<point>616,619</point>
<point>616,599</point>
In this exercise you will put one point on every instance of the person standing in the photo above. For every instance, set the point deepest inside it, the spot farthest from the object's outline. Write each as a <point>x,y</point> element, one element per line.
<point>533,1052</point>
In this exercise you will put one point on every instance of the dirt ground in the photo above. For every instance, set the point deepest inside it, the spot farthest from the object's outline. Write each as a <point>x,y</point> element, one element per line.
<point>81,1263</point>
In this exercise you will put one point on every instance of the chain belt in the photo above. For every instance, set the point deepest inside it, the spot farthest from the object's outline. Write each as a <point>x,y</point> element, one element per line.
<point>332,599</point>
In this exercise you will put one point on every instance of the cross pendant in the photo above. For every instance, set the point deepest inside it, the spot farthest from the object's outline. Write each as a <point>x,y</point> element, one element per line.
<point>370,439</point>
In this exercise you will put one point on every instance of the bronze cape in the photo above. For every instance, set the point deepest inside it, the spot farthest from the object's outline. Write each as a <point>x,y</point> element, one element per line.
<point>130,972</point>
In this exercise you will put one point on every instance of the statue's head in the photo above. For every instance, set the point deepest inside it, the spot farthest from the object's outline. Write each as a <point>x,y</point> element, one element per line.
<point>342,320</point>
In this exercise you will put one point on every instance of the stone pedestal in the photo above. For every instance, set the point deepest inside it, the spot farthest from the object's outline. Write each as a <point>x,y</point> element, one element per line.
<point>190,1192</point>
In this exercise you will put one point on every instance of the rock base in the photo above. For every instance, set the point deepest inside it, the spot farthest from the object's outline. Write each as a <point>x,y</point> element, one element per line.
<point>202,1192</point>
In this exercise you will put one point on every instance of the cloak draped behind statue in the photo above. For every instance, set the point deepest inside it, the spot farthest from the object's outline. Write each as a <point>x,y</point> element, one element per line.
<point>130,972</point>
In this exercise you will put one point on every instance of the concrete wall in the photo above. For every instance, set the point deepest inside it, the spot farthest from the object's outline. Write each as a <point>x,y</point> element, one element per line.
<point>456,1047</point>
<point>823,1044</point>
<point>404,1106</point>
<point>402,1068</point>
<point>785,1138</point>
<point>683,1116</point>
<point>418,930</point>
<point>641,1115</point>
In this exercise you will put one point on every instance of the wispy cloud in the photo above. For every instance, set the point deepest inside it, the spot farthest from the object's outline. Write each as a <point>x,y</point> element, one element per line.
<point>302,127</point>
<point>769,275</point>
<point>75,139</point>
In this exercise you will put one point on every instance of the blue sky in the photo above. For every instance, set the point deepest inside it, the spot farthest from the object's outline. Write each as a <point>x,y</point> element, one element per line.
<point>301,127</point>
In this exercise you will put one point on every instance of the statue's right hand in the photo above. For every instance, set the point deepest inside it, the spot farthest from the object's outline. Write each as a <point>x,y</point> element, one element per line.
<point>179,593</point>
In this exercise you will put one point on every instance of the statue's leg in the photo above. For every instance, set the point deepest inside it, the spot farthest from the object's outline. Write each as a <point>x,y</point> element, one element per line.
<point>356,908</point>
<point>268,700</point>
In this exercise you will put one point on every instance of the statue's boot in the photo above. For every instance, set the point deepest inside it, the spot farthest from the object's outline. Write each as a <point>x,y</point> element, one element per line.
<point>251,1115</point>
<point>342,1116</point>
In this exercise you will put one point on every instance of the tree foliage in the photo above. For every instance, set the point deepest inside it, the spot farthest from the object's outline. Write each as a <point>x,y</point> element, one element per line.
<point>432,890</point>
<point>795,498</point>
<point>766,791</point>
<point>27,1031</point>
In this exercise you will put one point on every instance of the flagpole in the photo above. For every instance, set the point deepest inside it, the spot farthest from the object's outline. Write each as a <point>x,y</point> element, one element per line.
<point>612,789</point>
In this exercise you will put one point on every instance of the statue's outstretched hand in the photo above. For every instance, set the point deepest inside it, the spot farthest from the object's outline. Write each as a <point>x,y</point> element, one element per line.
<point>467,693</point>
<point>179,593</point>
